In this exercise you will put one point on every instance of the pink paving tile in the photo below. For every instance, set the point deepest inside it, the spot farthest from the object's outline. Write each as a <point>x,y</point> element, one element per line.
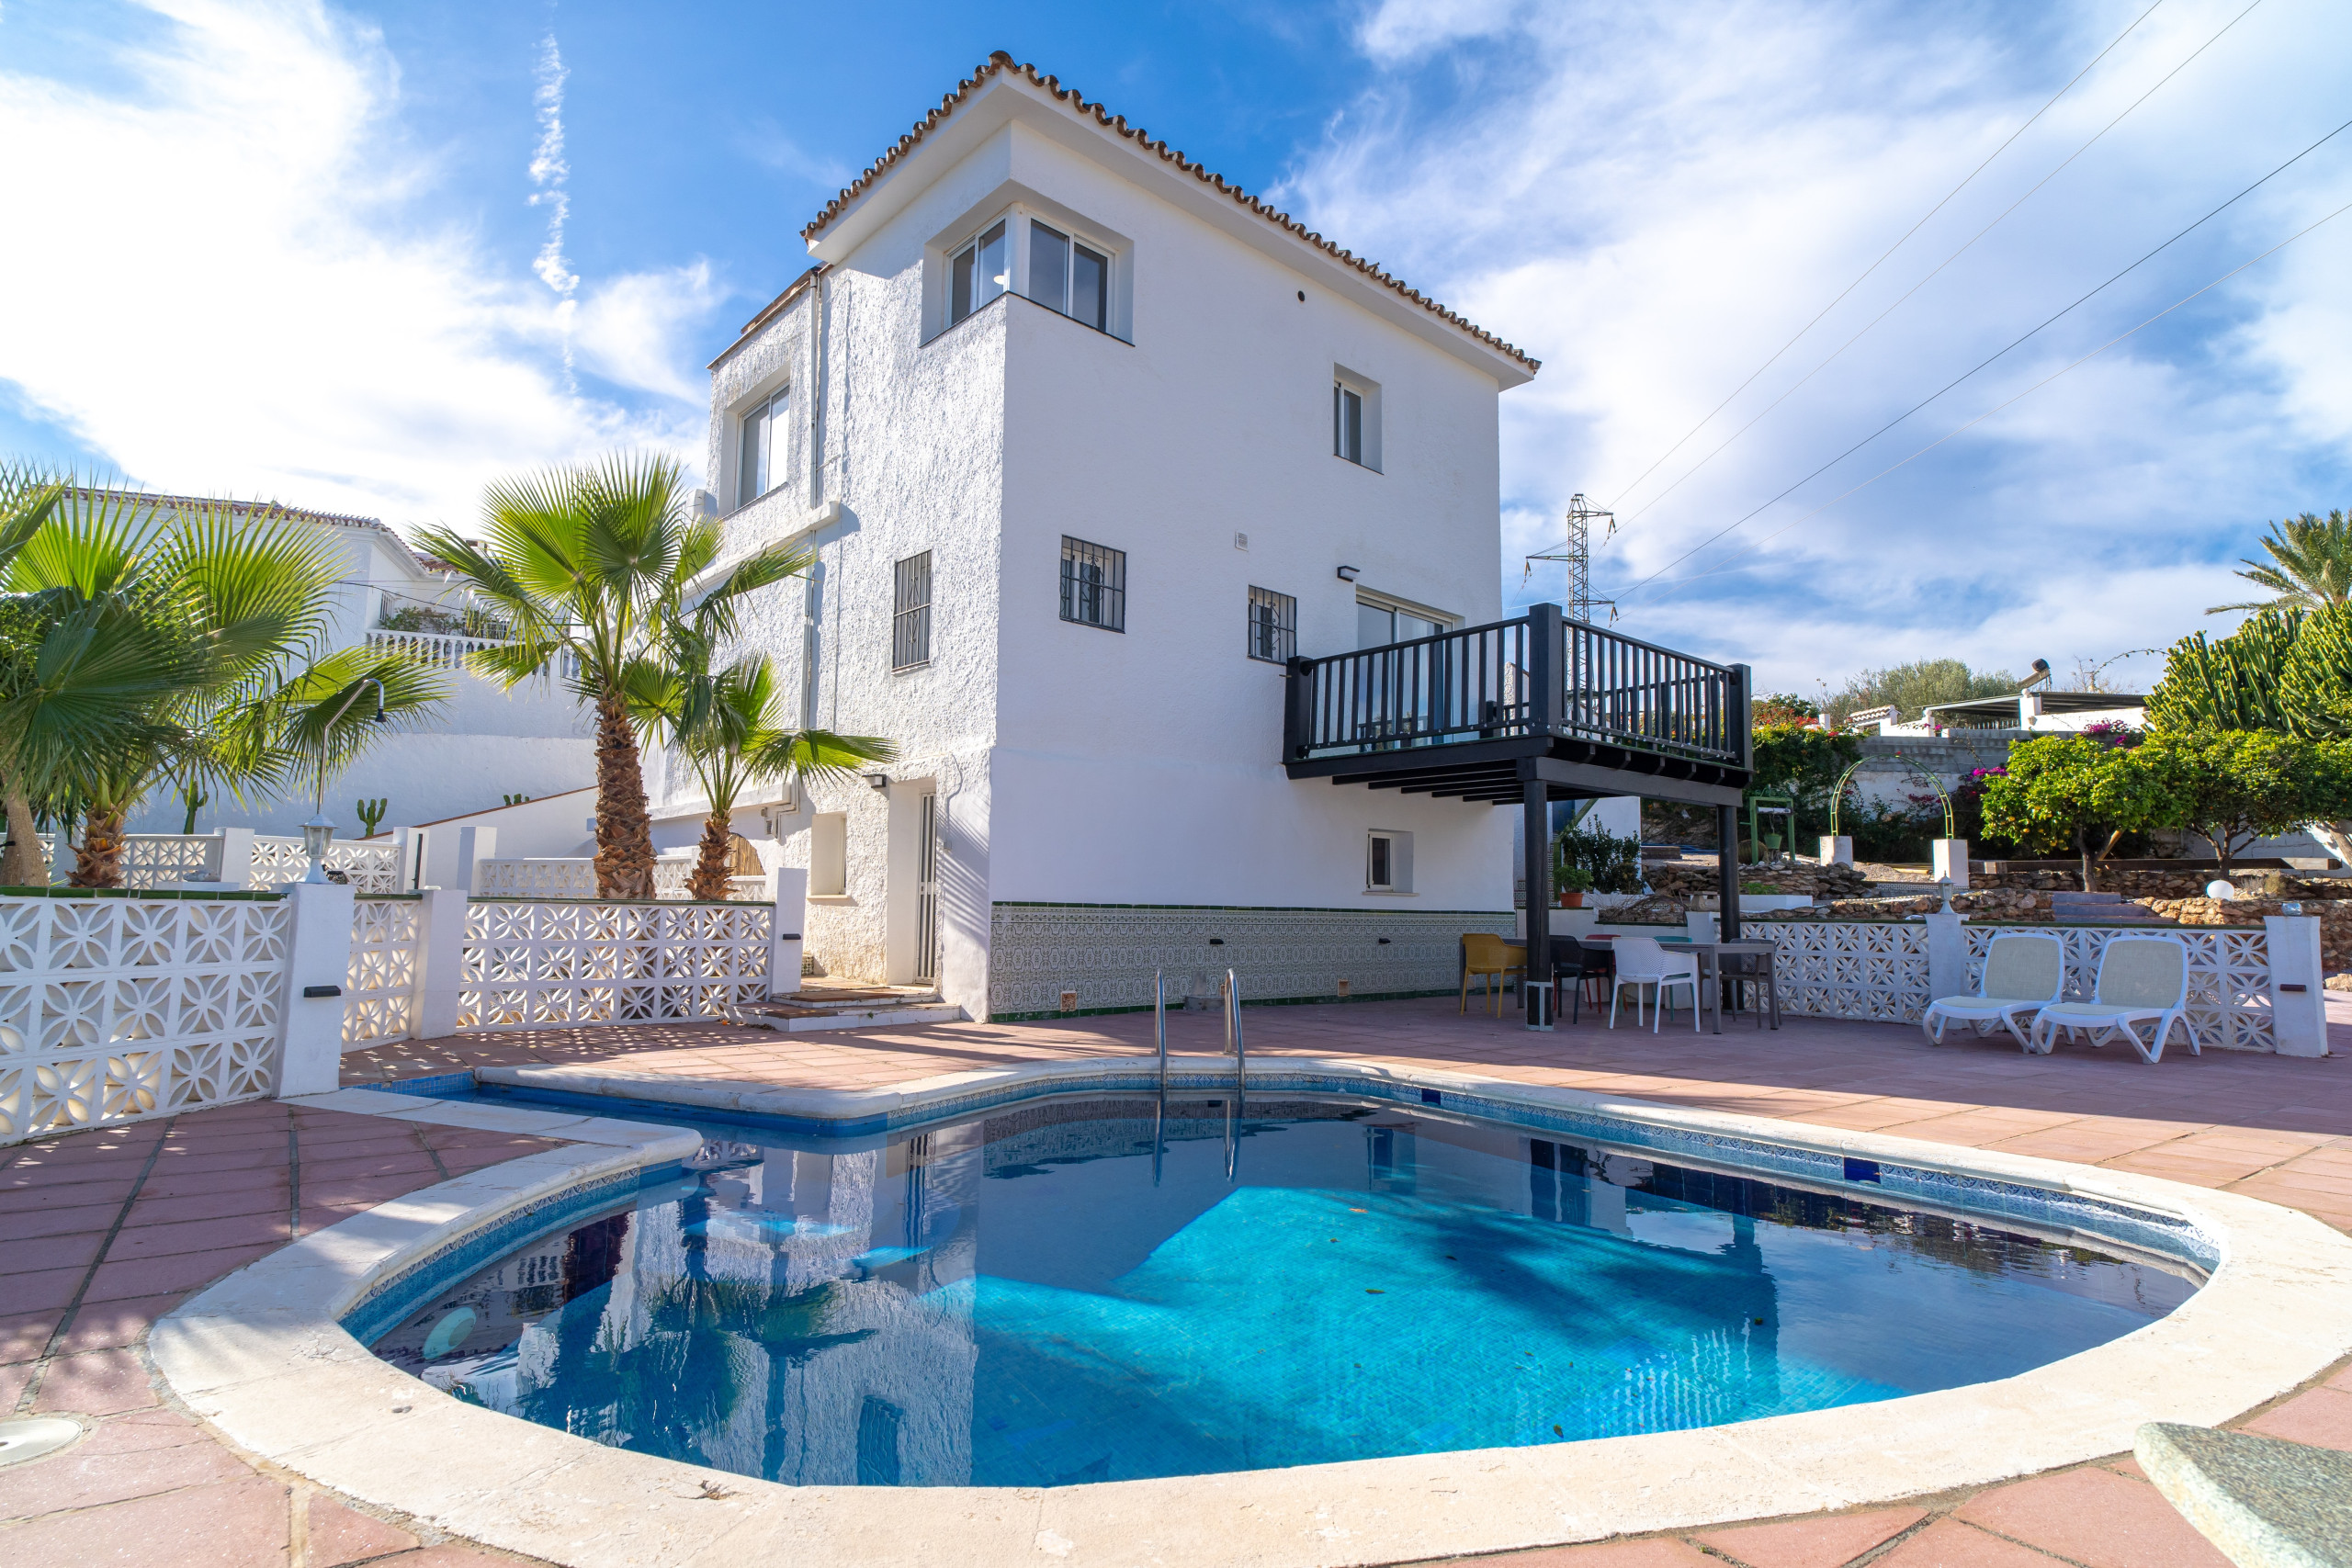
<point>97,1382</point>
<point>231,1523</point>
<point>318,1173</point>
<point>1657,1552</point>
<point>149,1210</point>
<point>1948,1543</point>
<point>18,1200</point>
<point>78,1250</point>
<point>169,1183</point>
<point>60,1222</point>
<point>13,1378</point>
<point>2321,1416</point>
<point>26,1175</point>
<point>173,1164</point>
<point>1825,1542</point>
<point>339,1534</point>
<point>197,1236</point>
<point>26,1336</point>
<point>38,1289</point>
<point>2093,1517</point>
<point>139,1277</point>
<point>365,1194</point>
<point>102,1326</point>
<point>122,1458</point>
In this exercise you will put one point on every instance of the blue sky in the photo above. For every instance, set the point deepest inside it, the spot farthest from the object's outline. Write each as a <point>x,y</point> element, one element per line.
<point>363,257</point>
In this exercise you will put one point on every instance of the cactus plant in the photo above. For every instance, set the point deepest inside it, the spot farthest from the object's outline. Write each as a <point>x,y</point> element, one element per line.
<point>195,798</point>
<point>515,799</point>
<point>371,812</point>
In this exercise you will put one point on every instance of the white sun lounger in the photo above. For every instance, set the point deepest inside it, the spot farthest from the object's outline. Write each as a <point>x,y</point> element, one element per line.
<point>2140,977</point>
<point>2024,972</point>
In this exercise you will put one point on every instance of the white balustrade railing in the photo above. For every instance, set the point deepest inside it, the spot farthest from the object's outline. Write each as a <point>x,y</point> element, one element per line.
<point>547,963</point>
<point>379,990</point>
<point>117,1009</point>
<point>443,650</point>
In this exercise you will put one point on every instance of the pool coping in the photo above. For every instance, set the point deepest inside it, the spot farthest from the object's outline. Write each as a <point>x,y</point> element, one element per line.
<point>263,1356</point>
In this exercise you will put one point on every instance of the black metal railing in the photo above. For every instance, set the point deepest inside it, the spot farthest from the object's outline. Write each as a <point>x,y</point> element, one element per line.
<point>1539,675</point>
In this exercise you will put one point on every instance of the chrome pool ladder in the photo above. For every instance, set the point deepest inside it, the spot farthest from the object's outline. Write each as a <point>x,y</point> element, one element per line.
<point>1159,1021</point>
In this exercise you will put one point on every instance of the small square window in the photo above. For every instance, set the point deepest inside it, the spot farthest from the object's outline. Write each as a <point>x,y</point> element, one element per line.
<point>1094,585</point>
<point>1273,625</point>
<point>911,613</point>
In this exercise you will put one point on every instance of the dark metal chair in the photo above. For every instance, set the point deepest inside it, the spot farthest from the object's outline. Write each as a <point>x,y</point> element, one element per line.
<point>1575,966</point>
<point>1737,971</point>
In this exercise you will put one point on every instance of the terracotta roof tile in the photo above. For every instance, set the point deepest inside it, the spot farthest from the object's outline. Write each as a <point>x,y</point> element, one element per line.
<point>1001,63</point>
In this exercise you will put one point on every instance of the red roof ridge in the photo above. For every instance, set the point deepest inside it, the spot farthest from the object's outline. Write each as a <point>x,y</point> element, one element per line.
<point>1000,61</point>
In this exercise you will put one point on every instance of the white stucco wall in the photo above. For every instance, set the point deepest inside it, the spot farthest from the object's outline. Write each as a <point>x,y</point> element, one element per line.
<point>1076,765</point>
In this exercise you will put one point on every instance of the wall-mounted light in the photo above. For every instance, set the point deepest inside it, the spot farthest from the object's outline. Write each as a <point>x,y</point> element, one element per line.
<point>878,781</point>
<point>1349,573</point>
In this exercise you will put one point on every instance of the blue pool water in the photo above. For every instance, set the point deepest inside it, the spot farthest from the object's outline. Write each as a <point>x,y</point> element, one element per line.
<point>1084,1289</point>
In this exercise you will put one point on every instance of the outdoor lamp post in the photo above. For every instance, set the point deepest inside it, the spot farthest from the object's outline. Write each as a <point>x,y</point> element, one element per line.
<point>318,832</point>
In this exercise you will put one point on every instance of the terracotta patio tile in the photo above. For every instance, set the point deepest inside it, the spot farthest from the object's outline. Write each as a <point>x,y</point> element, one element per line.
<point>197,1236</point>
<point>96,1382</point>
<point>167,1183</point>
<point>2093,1517</point>
<point>232,1524</point>
<point>34,1200</point>
<point>101,1325</point>
<point>38,1289</point>
<point>26,1335</point>
<point>1811,1543</point>
<point>413,1162</point>
<point>2321,1416</point>
<point>122,1458</point>
<point>137,1277</point>
<point>1656,1552</point>
<point>340,1534</point>
<point>1948,1543</point>
<point>209,1205</point>
<point>78,1250</point>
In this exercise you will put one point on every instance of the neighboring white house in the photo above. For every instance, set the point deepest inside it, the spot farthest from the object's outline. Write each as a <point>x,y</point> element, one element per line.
<point>482,745</point>
<point>2027,713</point>
<point>1087,443</point>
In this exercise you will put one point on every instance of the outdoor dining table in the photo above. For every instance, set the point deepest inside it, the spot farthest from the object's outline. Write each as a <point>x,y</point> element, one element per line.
<point>1711,978</point>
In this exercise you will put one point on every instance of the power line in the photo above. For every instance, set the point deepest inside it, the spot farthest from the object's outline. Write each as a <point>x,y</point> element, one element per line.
<point>1932,276</point>
<point>1948,386</point>
<point>2021,130</point>
<point>2005,403</point>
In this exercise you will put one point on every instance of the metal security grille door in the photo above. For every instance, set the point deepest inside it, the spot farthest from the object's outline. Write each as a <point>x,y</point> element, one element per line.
<point>927,894</point>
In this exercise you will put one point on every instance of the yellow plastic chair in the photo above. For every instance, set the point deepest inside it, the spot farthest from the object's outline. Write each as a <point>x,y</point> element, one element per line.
<point>1494,961</point>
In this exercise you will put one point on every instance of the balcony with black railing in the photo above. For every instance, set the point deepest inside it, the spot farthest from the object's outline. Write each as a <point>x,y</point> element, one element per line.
<point>1486,712</point>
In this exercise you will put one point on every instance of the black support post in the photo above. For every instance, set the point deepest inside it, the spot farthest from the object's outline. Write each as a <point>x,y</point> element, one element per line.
<point>1537,797</point>
<point>1727,870</point>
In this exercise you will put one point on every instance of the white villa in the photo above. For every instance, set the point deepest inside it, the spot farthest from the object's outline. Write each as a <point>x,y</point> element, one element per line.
<point>1089,444</point>
<point>482,745</point>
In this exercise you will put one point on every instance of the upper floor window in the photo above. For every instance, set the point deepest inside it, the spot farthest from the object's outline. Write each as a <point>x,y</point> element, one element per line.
<point>911,613</point>
<point>1381,621</point>
<point>1273,625</point>
<point>979,272</point>
<point>1355,419</point>
<point>1070,276</point>
<point>763,433</point>
<point>1094,585</point>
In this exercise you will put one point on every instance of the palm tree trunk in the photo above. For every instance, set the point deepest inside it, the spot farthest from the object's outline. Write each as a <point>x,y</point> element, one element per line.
<point>97,859</point>
<point>710,878</point>
<point>624,833</point>
<point>22,863</point>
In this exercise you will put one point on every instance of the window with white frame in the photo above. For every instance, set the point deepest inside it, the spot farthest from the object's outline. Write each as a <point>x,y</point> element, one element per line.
<point>980,271</point>
<point>1355,419</point>
<point>1273,625</point>
<point>1388,862</point>
<point>1070,276</point>
<point>911,613</point>
<point>763,433</point>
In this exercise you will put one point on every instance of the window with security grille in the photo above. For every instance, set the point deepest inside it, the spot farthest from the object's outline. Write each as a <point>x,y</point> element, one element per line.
<point>1094,585</point>
<point>1273,625</point>
<point>911,613</point>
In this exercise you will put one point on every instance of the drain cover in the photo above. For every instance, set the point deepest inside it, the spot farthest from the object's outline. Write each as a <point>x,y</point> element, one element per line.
<point>34,1436</point>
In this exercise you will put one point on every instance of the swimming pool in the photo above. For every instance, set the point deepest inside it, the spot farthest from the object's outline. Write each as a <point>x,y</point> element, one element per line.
<point>1100,1288</point>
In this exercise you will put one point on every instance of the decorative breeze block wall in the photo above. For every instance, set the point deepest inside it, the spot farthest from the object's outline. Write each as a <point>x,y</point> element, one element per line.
<point>117,1009</point>
<point>2229,978</point>
<point>1836,969</point>
<point>379,993</point>
<point>535,965</point>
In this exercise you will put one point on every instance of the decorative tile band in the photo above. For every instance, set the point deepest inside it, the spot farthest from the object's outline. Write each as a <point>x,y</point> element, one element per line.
<point>1108,953</point>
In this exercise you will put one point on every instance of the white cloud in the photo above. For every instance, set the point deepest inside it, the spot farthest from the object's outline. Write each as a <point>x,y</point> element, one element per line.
<point>1653,200</point>
<point>234,290</point>
<point>549,171</point>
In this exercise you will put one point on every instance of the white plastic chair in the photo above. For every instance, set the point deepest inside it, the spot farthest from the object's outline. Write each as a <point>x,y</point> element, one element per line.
<point>2024,972</point>
<point>2139,977</point>
<point>1642,961</point>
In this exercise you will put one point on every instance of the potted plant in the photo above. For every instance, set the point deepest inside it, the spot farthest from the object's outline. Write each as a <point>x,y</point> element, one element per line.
<point>1574,883</point>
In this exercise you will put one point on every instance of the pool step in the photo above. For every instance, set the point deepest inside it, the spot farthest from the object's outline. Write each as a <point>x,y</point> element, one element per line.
<point>798,1018</point>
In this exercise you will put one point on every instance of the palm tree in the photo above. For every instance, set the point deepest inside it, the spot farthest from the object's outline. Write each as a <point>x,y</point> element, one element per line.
<point>731,728</point>
<point>203,628</point>
<point>2310,564</point>
<point>592,563</point>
